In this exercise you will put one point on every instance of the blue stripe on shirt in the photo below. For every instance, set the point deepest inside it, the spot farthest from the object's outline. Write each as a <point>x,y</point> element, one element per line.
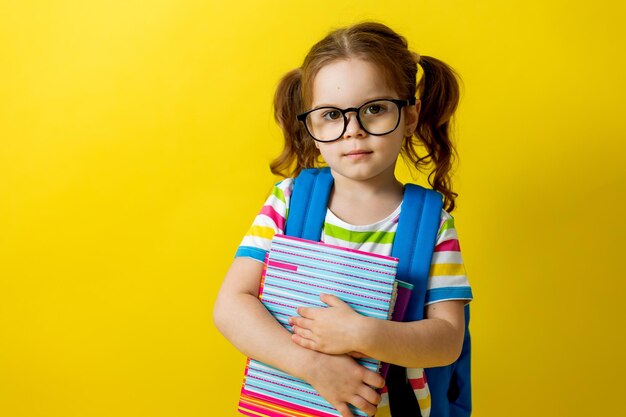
<point>251,252</point>
<point>448,293</point>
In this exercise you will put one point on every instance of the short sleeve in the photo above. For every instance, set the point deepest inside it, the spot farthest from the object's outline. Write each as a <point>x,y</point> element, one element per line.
<point>270,221</point>
<point>447,280</point>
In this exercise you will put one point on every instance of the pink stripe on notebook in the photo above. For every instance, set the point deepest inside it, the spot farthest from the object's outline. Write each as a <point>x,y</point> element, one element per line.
<point>289,267</point>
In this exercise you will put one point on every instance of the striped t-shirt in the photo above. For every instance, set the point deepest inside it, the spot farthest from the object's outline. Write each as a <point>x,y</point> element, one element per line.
<point>447,280</point>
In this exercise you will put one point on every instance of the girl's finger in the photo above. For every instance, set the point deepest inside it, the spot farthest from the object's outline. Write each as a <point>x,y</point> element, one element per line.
<point>302,332</point>
<point>306,312</point>
<point>370,395</point>
<point>305,343</point>
<point>363,405</point>
<point>373,379</point>
<point>344,410</point>
<point>301,322</point>
<point>331,300</point>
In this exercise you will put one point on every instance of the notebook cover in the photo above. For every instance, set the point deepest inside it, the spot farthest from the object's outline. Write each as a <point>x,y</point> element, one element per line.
<point>296,272</point>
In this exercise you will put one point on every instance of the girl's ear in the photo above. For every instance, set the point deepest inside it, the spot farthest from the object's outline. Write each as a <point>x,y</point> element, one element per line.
<point>412,116</point>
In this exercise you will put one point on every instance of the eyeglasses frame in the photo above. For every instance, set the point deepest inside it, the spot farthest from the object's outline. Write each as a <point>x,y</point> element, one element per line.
<point>399,103</point>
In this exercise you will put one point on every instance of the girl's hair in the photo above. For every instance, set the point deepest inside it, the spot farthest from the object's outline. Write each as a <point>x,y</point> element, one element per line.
<point>374,42</point>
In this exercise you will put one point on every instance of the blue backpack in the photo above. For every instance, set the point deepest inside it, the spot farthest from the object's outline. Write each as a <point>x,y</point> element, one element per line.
<point>450,386</point>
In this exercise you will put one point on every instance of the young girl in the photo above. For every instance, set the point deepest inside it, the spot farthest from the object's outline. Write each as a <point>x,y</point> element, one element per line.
<point>355,106</point>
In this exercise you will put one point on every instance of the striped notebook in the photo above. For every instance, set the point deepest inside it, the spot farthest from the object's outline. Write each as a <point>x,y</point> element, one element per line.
<point>296,272</point>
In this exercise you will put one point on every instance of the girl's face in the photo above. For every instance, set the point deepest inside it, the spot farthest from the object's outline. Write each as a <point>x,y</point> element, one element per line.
<point>357,154</point>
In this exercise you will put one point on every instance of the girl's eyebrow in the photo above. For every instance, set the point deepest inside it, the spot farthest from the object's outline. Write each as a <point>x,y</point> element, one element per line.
<point>362,102</point>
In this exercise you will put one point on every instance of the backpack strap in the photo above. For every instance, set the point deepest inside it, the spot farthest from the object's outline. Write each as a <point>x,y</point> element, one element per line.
<point>414,242</point>
<point>308,203</point>
<point>450,386</point>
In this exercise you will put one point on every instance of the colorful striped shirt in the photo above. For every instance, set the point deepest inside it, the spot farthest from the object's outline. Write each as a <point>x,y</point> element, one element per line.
<point>447,280</point>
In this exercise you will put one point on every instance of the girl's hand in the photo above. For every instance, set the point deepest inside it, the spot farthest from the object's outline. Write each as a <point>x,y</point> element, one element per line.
<point>335,329</point>
<point>342,381</point>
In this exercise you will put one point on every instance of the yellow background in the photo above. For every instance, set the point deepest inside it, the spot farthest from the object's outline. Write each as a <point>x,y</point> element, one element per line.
<point>135,137</point>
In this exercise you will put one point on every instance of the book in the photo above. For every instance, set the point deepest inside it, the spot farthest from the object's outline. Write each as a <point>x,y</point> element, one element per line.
<point>296,273</point>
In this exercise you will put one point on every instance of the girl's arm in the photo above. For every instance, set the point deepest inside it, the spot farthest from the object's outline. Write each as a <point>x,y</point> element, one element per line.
<point>246,323</point>
<point>435,341</point>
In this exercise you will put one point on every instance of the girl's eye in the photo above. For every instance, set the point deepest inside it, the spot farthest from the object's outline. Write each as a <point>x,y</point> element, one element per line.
<point>332,114</point>
<point>374,109</point>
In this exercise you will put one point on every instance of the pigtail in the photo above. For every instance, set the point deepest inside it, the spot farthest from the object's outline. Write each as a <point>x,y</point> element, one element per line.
<point>298,153</point>
<point>440,96</point>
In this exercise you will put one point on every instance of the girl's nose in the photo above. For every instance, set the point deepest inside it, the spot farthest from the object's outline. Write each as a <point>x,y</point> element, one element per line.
<point>353,127</point>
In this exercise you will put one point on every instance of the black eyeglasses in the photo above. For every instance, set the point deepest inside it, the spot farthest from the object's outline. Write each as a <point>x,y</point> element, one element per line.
<point>376,117</point>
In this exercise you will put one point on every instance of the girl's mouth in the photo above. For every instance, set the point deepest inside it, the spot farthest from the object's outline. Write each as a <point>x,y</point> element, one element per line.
<point>358,154</point>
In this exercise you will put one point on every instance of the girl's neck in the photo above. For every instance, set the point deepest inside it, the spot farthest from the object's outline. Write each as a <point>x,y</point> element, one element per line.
<point>383,187</point>
<point>365,202</point>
